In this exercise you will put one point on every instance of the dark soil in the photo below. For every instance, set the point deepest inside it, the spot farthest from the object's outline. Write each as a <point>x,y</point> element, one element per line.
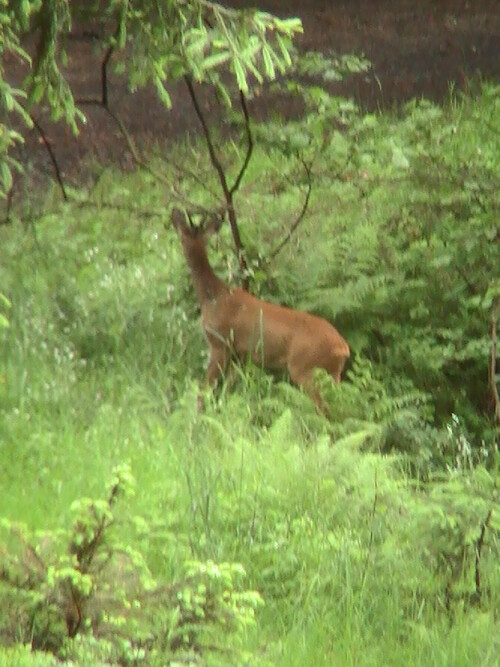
<point>417,47</point>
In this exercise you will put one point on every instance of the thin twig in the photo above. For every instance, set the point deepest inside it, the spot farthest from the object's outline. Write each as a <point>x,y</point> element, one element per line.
<point>104,76</point>
<point>228,193</point>
<point>189,173</point>
<point>137,157</point>
<point>479,547</point>
<point>53,159</point>
<point>249,152</point>
<point>104,103</point>
<point>135,210</point>
<point>298,220</point>
<point>492,368</point>
<point>208,140</point>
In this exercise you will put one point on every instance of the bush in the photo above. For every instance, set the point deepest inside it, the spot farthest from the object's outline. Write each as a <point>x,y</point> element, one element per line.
<point>82,595</point>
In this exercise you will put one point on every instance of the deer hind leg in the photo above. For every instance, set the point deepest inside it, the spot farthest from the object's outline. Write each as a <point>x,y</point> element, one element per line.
<point>305,379</point>
<point>336,367</point>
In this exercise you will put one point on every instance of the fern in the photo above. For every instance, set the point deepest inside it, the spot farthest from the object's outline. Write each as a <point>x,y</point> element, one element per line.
<point>346,300</point>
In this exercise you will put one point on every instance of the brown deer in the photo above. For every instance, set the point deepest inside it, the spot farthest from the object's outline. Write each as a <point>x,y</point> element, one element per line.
<point>236,322</point>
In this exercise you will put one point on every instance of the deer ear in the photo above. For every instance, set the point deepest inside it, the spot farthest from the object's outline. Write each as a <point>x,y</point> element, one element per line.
<point>221,216</point>
<point>216,221</point>
<point>178,220</point>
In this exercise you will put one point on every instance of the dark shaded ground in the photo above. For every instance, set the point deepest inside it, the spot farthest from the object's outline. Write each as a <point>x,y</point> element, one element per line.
<point>417,47</point>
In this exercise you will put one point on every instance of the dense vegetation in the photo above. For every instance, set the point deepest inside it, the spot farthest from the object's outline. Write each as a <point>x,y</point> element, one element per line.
<point>138,528</point>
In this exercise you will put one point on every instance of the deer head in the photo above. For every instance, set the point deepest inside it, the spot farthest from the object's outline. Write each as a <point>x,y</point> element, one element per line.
<point>211,223</point>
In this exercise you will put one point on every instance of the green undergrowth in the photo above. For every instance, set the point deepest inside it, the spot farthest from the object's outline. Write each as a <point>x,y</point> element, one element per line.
<point>141,524</point>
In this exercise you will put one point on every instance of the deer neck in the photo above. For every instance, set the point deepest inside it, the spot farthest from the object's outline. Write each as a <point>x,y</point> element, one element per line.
<point>206,284</point>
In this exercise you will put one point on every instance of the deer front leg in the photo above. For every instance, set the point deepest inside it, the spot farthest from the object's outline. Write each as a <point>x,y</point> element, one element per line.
<point>216,367</point>
<point>219,358</point>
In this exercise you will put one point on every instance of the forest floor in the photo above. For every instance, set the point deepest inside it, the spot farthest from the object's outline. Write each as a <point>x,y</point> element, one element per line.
<point>416,48</point>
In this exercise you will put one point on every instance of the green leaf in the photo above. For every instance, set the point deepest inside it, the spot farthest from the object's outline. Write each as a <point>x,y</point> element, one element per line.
<point>285,48</point>
<point>224,93</point>
<point>163,93</point>
<point>240,75</point>
<point>268,61</point>
<point>288,26</point>
<point>8,99</point>
<point>5,175</point>
<point>37,93</point>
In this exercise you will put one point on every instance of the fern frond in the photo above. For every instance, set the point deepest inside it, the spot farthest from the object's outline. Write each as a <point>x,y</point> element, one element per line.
<point>392,407</point>
<point>348,298</point>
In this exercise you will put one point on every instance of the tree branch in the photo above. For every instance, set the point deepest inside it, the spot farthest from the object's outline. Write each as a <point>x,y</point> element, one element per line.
<point>298,220</point>
<point>228,193</point>
<point>131,210</point>
<point>132,147</point>
<point>249,152</point>
<point>134,152</point>
<point>52,155</point>
<point>103,102</point>
<point>208,140</point>
<point>104,76</point>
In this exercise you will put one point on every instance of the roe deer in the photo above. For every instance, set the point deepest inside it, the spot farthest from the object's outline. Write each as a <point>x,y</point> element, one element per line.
<point>236,322</point>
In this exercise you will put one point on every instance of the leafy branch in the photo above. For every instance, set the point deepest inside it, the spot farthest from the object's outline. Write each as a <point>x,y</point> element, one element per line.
<point>217,165</point>
<point>159,43</point>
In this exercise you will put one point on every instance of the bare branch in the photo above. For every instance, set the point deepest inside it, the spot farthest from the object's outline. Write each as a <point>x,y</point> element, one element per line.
<point>104,101</point>
<point>133,210</point>
<point>189,173</point>
<point>208,140</point>
<point>298,220</point>
<point>228,194</point>
<point>133,148</point>
<point>53,159</point>
<point>104,76</point>
<point>249,152</point>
